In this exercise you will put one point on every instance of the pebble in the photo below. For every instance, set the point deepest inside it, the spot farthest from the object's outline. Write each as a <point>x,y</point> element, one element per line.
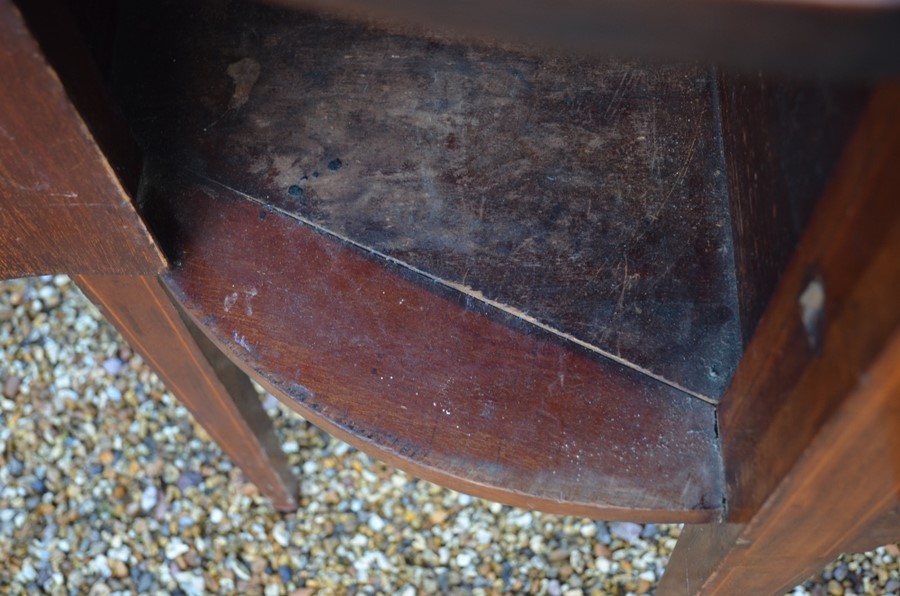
<point>149,498</point>
<point>627,531</point>
<point>175,548</point>
<point>108,486</point>
<point>376,523</point>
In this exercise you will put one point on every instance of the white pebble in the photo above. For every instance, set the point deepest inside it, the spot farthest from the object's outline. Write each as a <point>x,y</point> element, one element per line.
<point>464,559</point>
<point>149,498</point>
<point>280,534</point>
<point>112,366</point>
<point>192,584</point>
<point>175,548</point>
<point>376,523</point>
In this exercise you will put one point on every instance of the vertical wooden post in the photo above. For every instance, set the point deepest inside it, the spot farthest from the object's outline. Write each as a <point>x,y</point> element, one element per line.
<point>218,394</point>
<point>810,425</point>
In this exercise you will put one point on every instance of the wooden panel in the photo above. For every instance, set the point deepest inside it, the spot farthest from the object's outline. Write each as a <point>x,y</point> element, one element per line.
<point>62,207</point>
<point>847,38</point>
<point>806,357</point>
<point>782,140</point>
<point>217,393</point>
<point>429,384</point>
<point>583,195</point>
<point>811,518</point>
<point>815,397</point>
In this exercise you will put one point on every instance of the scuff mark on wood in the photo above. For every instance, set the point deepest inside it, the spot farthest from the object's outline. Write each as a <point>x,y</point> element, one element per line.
<point>243,73</point>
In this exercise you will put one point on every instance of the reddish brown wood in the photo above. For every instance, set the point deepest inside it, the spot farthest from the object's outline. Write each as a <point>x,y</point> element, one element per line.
<point>811,424</point>
<point>781,140</point>
<point>785,388</point>
<point>428,384</point>
<point>62,207</point>
<point>883,530</point>
<point>584,194</point>
<point>218,394</point>
<point>846,482</point>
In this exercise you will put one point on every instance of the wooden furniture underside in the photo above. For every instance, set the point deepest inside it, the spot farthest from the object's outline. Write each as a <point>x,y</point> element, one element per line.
<point>583,284</point>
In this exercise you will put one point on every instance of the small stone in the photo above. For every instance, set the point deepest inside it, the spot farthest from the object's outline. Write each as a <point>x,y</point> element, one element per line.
<point>280,535</point>
<point>285,573</point>
<point>149,498</point>
<point>118,568</point>
<point>15,467</point>
<point>189,480</point>
<point>216,515</point>
<point>376,523</point>
<point>112,366</point>
<point>553,588</point>
<point>463,559</point>
<point>835,588</point>
<point>627,531</point>
<point>840,572</point>
<point>192,583</point>
<point>588,530</point>
<point>144,583</point>
<point>892,586</point>
<point>175,548</point>
<point>11,387</point>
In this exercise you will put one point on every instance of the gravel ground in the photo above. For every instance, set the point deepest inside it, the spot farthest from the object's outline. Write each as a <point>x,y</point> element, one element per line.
<point>107,486</point>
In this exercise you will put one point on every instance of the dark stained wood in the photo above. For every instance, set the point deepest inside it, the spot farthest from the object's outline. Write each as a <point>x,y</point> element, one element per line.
<point>218,394</point>
<point>846,38</point>
<point>845,483</point>
<point>781,140</point>
<point>429,384</point>
<point>585,195</point>
<point>791,380</point>
<point>62,207</point>
<point>811,424</point>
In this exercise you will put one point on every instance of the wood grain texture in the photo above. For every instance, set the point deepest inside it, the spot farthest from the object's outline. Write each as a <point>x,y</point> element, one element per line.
<point>585,195</point>
<point>426,382</point>
<point>218,394</point>
<point>790,379</point>
<point>810,518</point>
<point>781,140</point>
<point>62,206</point>
<point>815,397</point>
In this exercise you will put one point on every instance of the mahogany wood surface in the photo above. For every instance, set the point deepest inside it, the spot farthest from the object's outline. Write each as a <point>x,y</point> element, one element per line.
<point>217,393</point>
<point>426,381</point>
<point>584,195</point>
<point>63,208</point>
<point>791,377</point>
<point>844,484</point>
<point>811,424</point>
<point>781,139</point>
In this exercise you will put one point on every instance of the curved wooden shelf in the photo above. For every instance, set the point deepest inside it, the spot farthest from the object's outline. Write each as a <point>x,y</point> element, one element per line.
<point>507,274</point>
<point>430,385</point>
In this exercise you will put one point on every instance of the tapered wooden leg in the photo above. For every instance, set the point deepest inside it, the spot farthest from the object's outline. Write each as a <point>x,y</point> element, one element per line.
<point>842,495</point>
<point>218,394</point>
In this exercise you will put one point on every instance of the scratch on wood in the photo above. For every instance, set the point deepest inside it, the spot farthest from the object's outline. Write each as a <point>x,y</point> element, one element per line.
<point>466,290</point>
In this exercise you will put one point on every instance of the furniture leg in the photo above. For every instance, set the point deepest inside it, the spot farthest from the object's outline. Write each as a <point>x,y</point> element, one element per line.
<point>835,499</point>
<point>218,394</point>
<point>810,427</point>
